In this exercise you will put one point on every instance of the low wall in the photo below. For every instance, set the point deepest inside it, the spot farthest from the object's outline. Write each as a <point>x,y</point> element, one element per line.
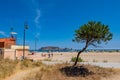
<point>14,54</point>
<point>9,53</point>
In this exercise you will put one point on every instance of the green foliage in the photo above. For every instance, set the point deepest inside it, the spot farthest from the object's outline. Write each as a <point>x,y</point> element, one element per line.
<point>95,60</point>
<point>105,61</point>
<point>92,33</point>
<point>73,59</point>
<point>47,59</point>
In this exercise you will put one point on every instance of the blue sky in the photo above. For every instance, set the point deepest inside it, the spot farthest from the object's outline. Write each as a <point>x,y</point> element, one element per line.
<point>53,22</point>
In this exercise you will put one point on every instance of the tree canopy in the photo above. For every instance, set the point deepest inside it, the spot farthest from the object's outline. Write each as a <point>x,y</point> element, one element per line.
<point>92,33</point>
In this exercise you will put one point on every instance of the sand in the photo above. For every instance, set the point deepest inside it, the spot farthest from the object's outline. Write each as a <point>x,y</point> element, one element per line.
<point>113,57</point>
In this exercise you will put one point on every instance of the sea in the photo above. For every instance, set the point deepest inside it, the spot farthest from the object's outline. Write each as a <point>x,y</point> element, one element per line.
<point>77,50</point>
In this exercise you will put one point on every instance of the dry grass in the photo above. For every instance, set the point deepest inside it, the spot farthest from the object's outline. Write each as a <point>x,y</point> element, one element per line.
<point>51,72</point>
<point>9,67</point>
<point>6,67</point>
<point>25,64</point>
<point>54,73</point>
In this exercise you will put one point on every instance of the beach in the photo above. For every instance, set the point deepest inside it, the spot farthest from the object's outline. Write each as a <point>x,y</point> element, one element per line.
<point>86,56</point>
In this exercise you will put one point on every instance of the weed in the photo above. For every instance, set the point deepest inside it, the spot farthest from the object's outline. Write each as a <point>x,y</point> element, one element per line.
<point>73,59</point>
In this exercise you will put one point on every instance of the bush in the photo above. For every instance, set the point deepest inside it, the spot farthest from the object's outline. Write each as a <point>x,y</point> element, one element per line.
<point>73,59</point>
<point>47,59</point>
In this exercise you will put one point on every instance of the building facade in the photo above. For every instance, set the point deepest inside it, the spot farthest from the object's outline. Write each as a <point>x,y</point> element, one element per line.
<point>6,43</point>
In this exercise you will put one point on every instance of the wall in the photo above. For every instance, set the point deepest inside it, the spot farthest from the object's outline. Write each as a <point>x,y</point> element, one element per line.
<point>9,53</point>
<point>7,42</point>
<point>19,53</point>
<point>14,54</point>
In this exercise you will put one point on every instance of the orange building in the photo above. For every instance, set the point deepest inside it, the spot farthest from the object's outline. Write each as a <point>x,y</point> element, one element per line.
<point>7,42</point>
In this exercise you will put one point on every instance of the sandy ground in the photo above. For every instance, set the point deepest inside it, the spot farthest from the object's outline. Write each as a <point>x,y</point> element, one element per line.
<point>113,57</point>
<point>104,59</point>
<point>21,74</point>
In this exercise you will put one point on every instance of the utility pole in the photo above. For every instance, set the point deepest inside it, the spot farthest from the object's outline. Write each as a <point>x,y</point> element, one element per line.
<point>35,45</point>
<point>25,27</point>
<point>36,39</point>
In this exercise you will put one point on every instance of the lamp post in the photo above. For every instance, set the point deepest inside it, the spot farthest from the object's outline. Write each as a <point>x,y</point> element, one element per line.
<point>35,44</point>
<point>25,27</point>
<point>36,39</point>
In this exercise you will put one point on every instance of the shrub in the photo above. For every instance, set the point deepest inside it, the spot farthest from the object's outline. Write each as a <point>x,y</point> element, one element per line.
<point>73,59</point>
<point>47,59</point>
<point>105,61</point>
<point>95,60</point>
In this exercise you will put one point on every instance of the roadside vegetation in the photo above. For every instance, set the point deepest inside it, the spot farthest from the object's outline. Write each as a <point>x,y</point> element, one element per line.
<point>53,72</point>
<point>73,59</point>
<point>63,72</point>
<point>9,67</point>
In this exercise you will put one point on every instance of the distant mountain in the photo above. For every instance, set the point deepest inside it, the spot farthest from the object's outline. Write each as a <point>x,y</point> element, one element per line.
<point>52,48</point>
<point>49,48</point>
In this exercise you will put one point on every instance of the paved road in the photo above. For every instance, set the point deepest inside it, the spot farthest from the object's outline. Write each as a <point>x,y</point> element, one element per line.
<point>101,64</point>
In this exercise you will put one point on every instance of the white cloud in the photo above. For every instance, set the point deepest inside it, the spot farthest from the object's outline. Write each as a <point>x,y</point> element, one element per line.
<point>37,35</point>
<point>13,33</point>
<point>37,17</point>
<point>3,33</point>
<point>37,23</point>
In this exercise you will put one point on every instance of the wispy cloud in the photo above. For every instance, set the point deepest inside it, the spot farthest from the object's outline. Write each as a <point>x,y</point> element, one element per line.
<point>37,18</point>
<point>37,22</point>
<point>37,15</point>
<point>3,33</point>
<point>37,35</point>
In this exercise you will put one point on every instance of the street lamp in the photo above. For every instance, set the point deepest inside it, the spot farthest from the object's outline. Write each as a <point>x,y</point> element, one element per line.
<point>25,28</point>
<point>36,39</point>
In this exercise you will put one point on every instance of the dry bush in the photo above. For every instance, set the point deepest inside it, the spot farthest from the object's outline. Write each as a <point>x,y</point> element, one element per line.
<point>7,67</point>
<point>49,72</point>
<point>29,64</point>
<point>53,73</point>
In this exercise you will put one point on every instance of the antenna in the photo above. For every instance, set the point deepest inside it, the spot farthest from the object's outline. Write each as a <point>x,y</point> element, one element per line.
<point>11,30</point>
<point>12,33</point>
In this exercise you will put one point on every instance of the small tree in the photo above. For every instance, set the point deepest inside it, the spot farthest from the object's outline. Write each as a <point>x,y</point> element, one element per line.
<point>92,33</point>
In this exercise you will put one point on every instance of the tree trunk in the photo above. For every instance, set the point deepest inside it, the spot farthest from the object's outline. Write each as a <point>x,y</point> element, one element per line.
<point>80,53</point>
<point>77,58</point>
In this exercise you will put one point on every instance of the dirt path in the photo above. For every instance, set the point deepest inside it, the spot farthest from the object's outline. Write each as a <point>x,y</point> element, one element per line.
<point>114,77</point>
<point>21,74</point>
